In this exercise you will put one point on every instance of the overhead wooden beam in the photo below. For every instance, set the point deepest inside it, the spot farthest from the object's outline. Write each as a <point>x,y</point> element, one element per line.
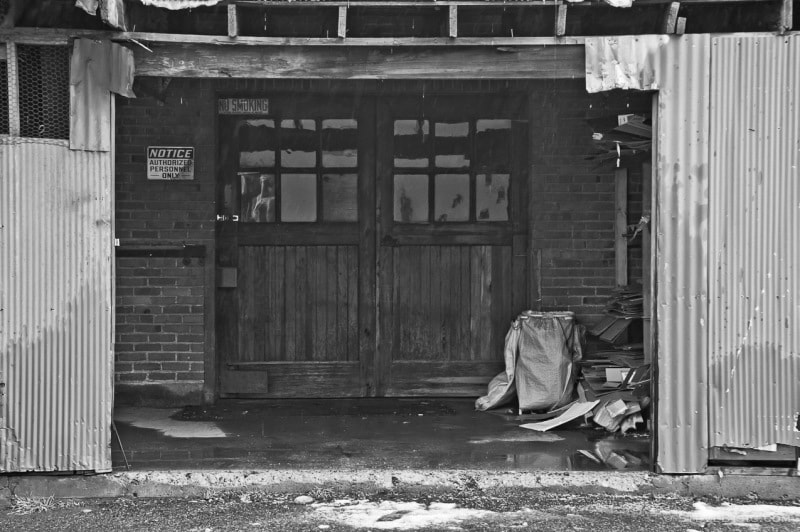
<point>452,22</point>
<point>233,21</point>
<point>341,27</point>
<point>787,16</point>
<point>64,36</point>
<point>670,17</point>
<point>344,62</point>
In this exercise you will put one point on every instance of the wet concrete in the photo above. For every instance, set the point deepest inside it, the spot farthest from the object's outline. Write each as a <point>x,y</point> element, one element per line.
<point>354,434</point>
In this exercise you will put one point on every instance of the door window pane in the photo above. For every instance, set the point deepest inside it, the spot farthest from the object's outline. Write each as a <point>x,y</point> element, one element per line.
<point>298,144</point>
<point>411,143</point>
<point>298,198</point>
<point>340,143</point>
<point>452,145</point>
<point>257,143</point>
<point>493,145</point>
<point>411,198</point>
<point>491,197</point>
<point>451,193</point>
<point>258,197</point>
<point>340,198</point>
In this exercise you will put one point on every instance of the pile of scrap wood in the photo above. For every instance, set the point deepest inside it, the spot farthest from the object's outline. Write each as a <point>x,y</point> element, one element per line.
<point>615,373</point>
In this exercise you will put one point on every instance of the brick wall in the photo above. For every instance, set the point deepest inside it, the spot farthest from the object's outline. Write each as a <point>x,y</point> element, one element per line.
<point>574,200</point>
<point>161,300</point>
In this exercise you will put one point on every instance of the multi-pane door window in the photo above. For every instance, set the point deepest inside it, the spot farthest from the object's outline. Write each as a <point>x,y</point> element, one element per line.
<point>452,171</point>
<point>298,170</point>
<point>34,99</point>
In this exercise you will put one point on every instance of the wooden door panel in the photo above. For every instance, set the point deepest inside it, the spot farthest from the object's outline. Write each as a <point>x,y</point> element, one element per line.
<point>446,310</point>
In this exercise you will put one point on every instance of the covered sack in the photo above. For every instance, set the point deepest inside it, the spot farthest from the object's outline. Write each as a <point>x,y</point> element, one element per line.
<point>541,354</point>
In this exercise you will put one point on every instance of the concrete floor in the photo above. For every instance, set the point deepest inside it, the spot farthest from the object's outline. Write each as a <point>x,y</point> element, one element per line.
<point>354,434</point>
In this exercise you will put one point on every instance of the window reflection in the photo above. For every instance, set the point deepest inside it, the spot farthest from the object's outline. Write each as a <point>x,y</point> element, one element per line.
<point>411,198</point>
<point>451,193</point>
<point>298,144</point>
<point>298,198</point>
<point>452,145</point>
<point>340,198</point>
<point>491,197</point>
<point>258,197</point>
<point>340,143</point>
<point>411,143</point>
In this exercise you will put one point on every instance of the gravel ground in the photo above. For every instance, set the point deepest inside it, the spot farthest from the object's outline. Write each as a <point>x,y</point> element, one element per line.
<point>465,508</point>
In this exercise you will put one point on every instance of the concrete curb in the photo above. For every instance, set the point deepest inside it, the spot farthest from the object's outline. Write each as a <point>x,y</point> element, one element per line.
<point>196,483</point>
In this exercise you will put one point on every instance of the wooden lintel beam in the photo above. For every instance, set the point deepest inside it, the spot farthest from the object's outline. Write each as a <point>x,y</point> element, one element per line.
<point>670,17</point>
<point>347,62</point>
<point>452,22</point>
<point>561,20</point>
<point>787,16</point>
<point>341,27</point>
<point>233,21</point>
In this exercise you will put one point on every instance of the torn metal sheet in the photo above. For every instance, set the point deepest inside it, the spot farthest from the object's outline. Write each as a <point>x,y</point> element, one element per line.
<point>97,68</point>
<point>754,275</point>
<point>179,4</point>
<point>623,62</point>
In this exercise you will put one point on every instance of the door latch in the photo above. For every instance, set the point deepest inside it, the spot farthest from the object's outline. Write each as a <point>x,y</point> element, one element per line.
<point>226,218</point>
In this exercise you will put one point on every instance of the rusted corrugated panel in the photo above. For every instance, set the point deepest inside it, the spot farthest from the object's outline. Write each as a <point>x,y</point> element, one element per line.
<point>754,242</point>
<point>56,358</point>
<point>681,229</point>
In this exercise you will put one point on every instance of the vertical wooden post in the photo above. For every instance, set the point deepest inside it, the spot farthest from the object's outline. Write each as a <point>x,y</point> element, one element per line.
<point>341,29</point>
<point>621,225</point>
<point>680,27</point>
<point>670,17</point>
<point>786,16</point>
<point>13,92</point>
<point>233,21</point>
<point>647,249</point>
<point>452,22</point>
<point>561,20</point>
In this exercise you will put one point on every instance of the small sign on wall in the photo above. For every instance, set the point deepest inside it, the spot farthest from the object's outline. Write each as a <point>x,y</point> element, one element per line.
<point>170,163</point>
<point>243,106</point>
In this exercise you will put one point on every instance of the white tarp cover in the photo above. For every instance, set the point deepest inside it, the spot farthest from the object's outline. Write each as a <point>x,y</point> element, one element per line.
<point>623,62</point>
<point>540,354</point>
<point>97,69</point>
<point>180,4</point>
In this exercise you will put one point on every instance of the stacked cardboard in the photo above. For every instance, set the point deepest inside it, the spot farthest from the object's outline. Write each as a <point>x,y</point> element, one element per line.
<point>615,373</point>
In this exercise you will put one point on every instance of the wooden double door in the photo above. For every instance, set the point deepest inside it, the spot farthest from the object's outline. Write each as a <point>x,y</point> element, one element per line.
<point>369,245</point>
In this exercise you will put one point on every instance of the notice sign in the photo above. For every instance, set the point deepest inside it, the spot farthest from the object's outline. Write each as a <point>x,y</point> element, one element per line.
<point>171,163</point>
<point>243,106</point>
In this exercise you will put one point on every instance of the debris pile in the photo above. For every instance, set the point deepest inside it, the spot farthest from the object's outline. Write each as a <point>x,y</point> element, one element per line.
<point>616,374</point>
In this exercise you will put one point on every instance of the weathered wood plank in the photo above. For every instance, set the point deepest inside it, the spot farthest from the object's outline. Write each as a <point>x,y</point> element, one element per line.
<point>621,225</point>
<point>233,21</point>
<point>670,19</point>
<point>787,16</point>
<point>341,25</point>
<point>293,380</point>
<point>452,21</point>
<point>561,20</point>
<point>442,378</point>
<point>532,62</point>
<point>245,312</point>
<point>302,315</point>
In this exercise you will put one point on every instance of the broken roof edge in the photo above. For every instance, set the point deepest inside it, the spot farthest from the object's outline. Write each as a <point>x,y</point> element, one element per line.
<point>623,62</point>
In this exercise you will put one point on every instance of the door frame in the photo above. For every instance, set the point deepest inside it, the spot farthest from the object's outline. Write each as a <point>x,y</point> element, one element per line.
<point>374,365</point>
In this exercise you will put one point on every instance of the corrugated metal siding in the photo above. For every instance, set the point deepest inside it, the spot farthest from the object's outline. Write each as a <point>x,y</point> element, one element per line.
<point>56,357</point>
<point>755,242</point>
<point>681,229</point>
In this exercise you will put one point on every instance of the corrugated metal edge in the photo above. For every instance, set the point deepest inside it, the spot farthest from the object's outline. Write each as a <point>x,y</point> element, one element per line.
<point>681,222</point>
<point>56,348</point>
<point>754,340</point>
